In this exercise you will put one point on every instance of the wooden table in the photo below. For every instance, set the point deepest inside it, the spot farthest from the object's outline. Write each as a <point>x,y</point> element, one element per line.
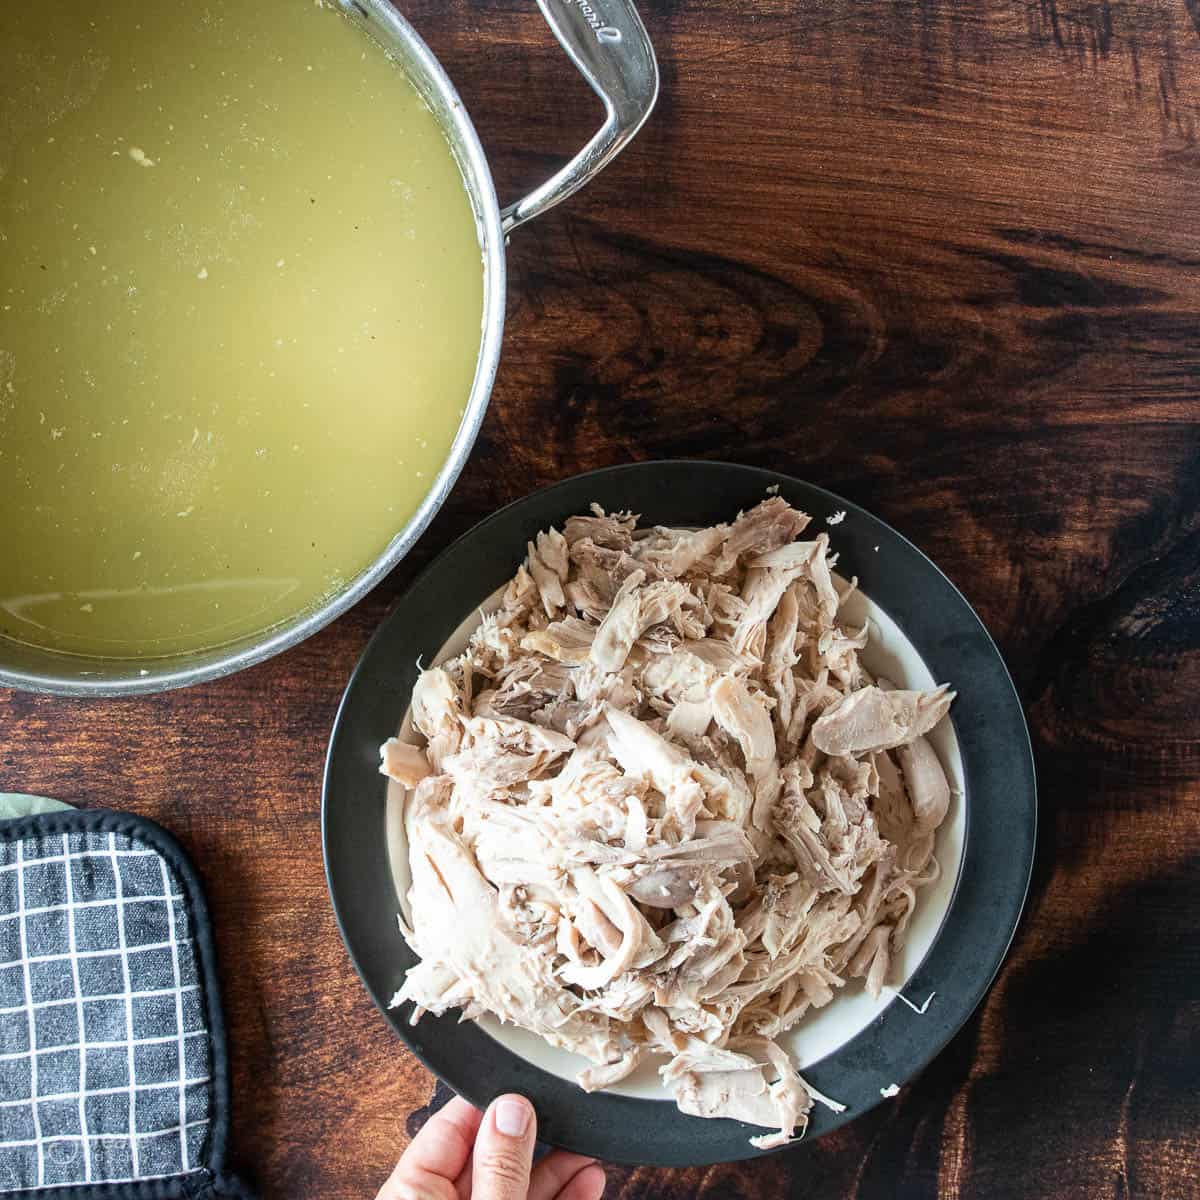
<point>942,257</point>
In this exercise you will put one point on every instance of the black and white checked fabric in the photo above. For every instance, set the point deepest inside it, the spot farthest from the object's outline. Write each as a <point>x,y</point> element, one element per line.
<point>106,1058</point>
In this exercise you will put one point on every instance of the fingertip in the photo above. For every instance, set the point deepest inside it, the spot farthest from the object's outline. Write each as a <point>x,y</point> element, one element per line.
<point>503,1156</point>
<point>461,1114</point>
<point>512,1115</point>
<point>589,1184</point>
<point>443,1144</point>
<point>456,1107</point>
<point>555,1174</point>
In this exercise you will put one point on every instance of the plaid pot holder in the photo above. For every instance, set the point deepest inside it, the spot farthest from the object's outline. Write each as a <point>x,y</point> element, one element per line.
<point>113,1070</point>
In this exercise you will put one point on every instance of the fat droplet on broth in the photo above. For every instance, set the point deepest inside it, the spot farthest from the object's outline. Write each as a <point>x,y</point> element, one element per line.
<point>142,287</point>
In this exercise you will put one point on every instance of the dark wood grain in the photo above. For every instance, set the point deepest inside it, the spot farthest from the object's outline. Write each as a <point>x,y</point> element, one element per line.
<point>942,256</point>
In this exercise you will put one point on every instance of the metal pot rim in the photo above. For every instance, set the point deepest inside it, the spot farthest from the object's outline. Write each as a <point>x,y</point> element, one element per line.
<point>431,80</point>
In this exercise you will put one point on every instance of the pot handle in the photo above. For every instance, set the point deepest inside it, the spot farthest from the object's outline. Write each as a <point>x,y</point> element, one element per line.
<point>608,43</point>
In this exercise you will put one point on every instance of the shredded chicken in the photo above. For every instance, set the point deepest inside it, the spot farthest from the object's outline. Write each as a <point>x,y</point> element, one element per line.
<point>663,809</point>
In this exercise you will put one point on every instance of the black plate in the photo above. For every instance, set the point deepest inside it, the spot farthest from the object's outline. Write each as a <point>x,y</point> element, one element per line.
<point>997,764</point>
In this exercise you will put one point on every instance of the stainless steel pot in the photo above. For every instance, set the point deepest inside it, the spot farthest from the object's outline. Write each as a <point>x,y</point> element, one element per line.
<point>607,42</point>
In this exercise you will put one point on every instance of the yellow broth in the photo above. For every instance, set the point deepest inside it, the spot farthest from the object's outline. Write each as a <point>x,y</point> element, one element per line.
<point>240,312</point>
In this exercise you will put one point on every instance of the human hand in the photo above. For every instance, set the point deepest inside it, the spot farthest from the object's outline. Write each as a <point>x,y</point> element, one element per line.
<point>463,1154</point>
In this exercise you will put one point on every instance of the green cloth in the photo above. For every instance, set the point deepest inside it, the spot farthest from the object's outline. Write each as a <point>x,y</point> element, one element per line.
<point>14,804</point>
